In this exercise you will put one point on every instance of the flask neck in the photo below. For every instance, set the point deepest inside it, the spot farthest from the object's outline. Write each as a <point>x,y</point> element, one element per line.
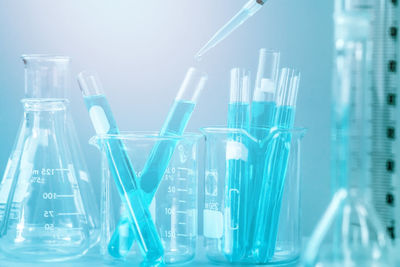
<point>46,76</point>
<point>45,113</point>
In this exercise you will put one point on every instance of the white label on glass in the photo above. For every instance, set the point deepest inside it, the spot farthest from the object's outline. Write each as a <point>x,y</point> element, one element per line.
<point>124,230</point>
<point>236,150</point>
<point>267,85</point>
<point>84,176</point>
<point>213,224</point>
<point>99,119</point>
<point>152,208</point>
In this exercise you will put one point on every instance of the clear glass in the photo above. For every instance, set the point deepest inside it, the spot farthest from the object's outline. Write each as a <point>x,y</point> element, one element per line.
<point>47,206</point>
<point>237,167</point>
<point>350,233</point>
<point>267,77</point>
<point>136,208</point>
<point>219,222</point>
<point>158,161</point>
<point>174,207</point>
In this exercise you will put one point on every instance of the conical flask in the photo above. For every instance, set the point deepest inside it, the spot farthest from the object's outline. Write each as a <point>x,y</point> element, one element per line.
<point>350,233</point>
<point>47,206</point>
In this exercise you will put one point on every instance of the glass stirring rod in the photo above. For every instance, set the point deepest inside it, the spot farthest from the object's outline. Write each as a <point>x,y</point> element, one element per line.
<point>248,10</point>
<point>160,156</point>
<point>121,168</point>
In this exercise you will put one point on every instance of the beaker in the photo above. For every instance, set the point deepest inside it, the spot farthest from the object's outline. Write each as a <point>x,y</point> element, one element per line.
<point>217,215</point>
<point>174,207</point>
<point>350,233</point>
<point>47,206</point>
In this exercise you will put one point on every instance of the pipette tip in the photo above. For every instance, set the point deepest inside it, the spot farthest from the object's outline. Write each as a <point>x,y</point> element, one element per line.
<point>198,57</point>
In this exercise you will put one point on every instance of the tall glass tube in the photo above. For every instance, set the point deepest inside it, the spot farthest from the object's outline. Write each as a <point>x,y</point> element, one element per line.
<point>272,187</point>
<point>350,232</point>
<point>263,109</point>
<point>237,167</point>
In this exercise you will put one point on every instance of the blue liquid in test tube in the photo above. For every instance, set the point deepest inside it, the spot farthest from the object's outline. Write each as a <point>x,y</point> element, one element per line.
<point>237,167</point>
<point>160,156</point>
<point>121,169</point>
<point>267,217</point>
<point>162,152</point>
<point>263,108</point>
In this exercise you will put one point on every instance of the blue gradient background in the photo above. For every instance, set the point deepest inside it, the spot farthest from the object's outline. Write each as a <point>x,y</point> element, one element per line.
<point>142,49</point>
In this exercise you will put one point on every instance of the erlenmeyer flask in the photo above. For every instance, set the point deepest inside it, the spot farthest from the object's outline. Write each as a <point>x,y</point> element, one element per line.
<point>45,192</point>
<point>350,232</point>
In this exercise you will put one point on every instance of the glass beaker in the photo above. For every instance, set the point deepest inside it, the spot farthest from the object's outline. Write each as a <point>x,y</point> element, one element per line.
<point>350,233</point>
<point>47,206</point>
<point>174,207</point>
<point>217,215</point>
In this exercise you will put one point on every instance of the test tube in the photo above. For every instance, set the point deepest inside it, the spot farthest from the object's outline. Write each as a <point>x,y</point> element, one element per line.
<point>263,108</point>
<point>175,124</point>
<point>267,216</point>
<point>121,169</point>
<point>264,103</point>
<point>160,156</point>
<point>237,167</point>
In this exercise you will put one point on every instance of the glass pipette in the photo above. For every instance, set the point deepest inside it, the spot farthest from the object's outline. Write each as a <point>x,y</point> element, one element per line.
<point>237,167</point>
<point>160,156</point>
<point>248,10</point>
<point>263,109</point>
<point>121,168</point>
<point>267,217</point>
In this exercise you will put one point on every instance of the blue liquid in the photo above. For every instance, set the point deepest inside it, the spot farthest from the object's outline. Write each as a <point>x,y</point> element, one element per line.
<point>268,213</point>
<point>161,154</point>
<point>153,171</point>
<point>125,178</point>
<point>262,116</point>
<point>236,185</point>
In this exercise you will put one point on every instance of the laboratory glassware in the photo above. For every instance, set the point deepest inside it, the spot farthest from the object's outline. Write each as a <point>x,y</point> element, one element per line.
<point>384,116</point>
<point>237,154</point>
<point>263,107</point>
<point>153,172</point>
<point>248,10</point>
<point>350,233</point>
<point>45,190</point>
<point>174,207</point>
<point>287,247</point>
<point>263,104</point>
<point>268,211</point>
<point>121,168</point>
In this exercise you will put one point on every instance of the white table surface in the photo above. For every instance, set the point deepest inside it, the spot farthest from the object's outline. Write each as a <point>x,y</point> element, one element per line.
<point>94,259</point>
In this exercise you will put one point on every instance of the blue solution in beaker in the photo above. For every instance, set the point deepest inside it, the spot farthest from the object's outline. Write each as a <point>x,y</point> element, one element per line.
<point>268,212</point>
<point>153,172</point>
<point>126,180</point>
<point>236,182</point>
<point>262,118</point>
